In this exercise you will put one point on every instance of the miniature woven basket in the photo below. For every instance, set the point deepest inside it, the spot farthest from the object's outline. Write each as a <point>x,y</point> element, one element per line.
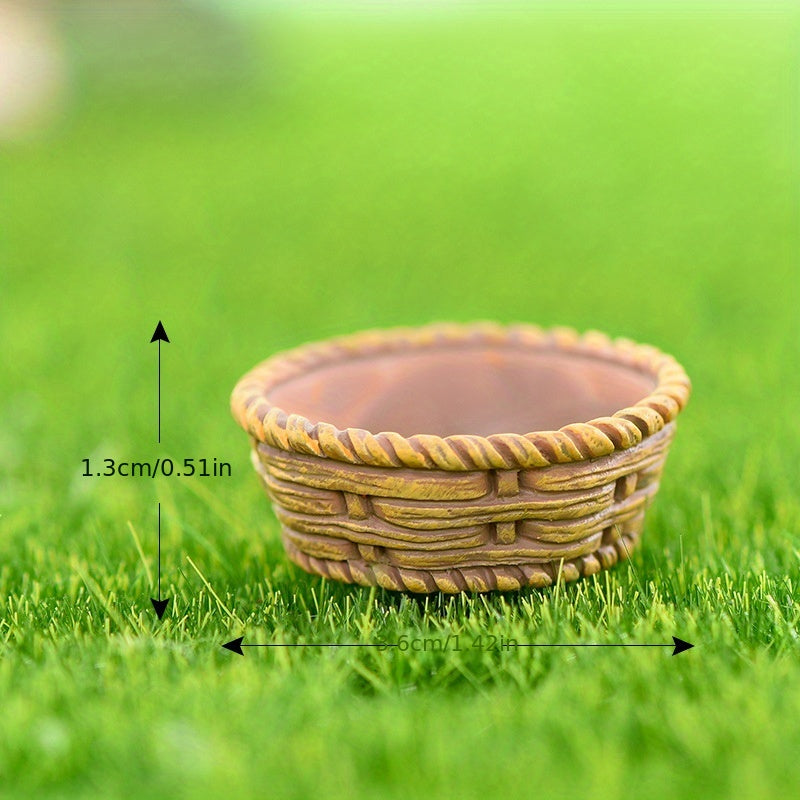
<point>405,458</point>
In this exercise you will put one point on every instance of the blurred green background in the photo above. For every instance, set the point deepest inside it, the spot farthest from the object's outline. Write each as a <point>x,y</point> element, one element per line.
<point>257,176</point>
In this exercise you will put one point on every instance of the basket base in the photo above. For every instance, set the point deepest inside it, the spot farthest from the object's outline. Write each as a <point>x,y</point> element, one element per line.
<point>504,577</point>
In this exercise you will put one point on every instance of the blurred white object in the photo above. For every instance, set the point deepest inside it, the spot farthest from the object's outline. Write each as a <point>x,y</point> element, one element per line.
<point>32,69</point>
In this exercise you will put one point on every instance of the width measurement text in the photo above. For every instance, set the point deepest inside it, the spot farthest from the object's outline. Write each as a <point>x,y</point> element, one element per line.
<point>453,642</point>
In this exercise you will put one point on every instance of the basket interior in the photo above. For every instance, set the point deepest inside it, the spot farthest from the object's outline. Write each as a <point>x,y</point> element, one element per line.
<point>480,390</point>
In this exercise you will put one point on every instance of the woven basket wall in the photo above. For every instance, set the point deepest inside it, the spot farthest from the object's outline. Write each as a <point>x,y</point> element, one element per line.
<point>432,530</point>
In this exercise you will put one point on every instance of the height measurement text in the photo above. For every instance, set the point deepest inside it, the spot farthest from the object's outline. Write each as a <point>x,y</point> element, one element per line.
<point>165,467</point>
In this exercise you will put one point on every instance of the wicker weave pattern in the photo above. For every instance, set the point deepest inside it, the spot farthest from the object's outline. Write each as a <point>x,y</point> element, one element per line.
<point>461,513</point>
<point>428,531</point>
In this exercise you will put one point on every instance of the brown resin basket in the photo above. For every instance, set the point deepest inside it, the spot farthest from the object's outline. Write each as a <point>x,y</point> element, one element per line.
<point>452,492</point>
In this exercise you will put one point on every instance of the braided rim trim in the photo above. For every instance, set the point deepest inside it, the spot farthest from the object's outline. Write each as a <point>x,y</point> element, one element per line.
<point>578,441</point>
<point>452,580</point>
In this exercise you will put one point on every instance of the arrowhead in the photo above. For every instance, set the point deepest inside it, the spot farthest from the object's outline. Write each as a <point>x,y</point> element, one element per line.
<point>160,606</point>
<point>159,334</point>
<point>680,646</point>
<point>235,646</point>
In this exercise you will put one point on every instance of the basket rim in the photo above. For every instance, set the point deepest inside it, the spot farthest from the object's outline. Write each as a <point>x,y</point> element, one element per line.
<point>579,441</point>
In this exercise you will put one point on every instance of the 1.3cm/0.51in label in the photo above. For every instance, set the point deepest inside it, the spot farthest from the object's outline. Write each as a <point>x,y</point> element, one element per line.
<point>164,467</point>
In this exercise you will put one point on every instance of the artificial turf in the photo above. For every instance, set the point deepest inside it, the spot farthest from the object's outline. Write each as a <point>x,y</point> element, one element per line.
<point>633,169</point>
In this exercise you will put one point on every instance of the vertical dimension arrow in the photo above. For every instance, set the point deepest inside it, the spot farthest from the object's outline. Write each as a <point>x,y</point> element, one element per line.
<point>159,605</point>
<point>159,335</point>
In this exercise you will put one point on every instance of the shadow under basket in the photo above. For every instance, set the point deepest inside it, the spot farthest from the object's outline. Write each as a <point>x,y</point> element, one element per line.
<point>456,458</point>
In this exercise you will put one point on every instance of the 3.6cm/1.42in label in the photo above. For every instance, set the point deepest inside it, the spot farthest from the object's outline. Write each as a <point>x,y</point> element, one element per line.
<point>165,467</point>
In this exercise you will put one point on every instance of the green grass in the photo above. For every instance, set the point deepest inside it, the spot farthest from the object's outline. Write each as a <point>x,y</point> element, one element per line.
<point>634,171</point>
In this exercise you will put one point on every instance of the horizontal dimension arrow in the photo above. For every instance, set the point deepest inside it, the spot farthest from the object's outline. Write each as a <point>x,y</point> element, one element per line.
<point>236,645</point>
<point>678,645</point>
